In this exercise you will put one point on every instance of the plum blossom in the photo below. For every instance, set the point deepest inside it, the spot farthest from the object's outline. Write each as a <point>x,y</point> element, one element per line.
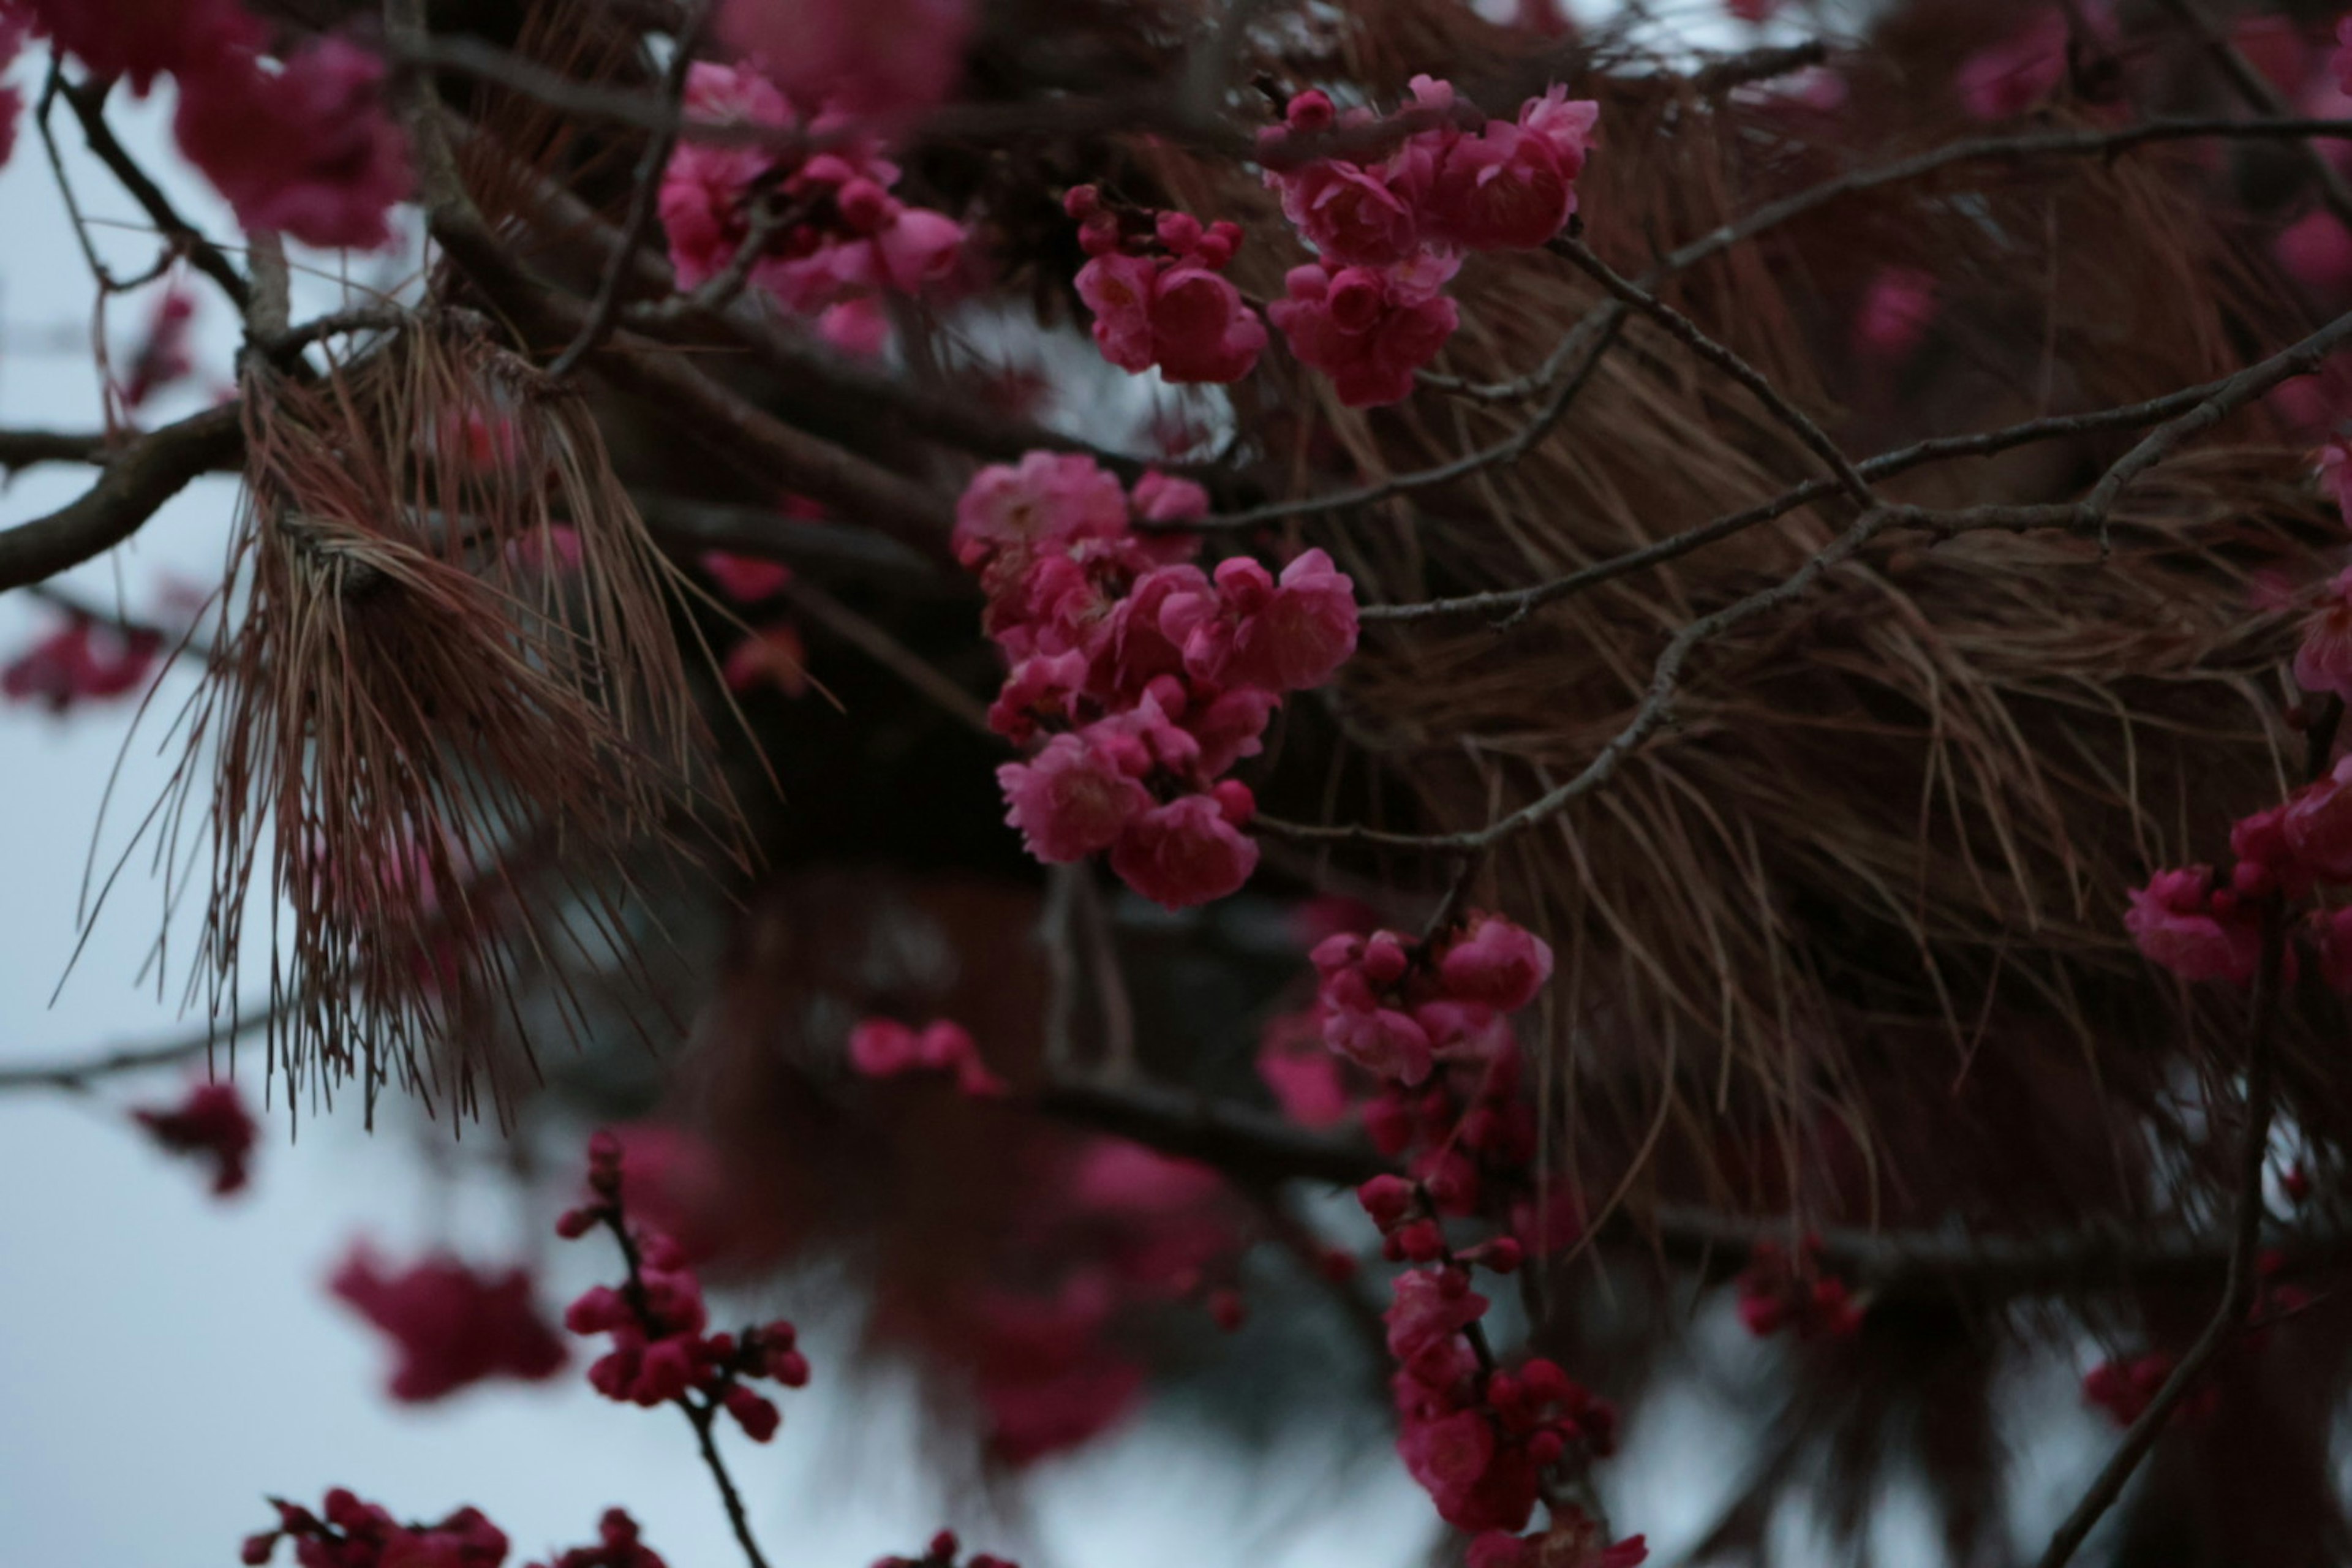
<point>883,1048</point>
<point>1254,631</point>
<point>1047,498</point>
<point>162,359</point>
<point>746,579</point>
<point>1071,800</point>
<point>879,57</point>
<point>2323,662</point>
<point>1186,852</point>
<point>305,146</point>
<point>774,656</point>
<point>618,1545</point>
<point>659,1347</point>
<point>1898,306</point>
<point>349,1533</point>
<point>1783,1290</point>
<point>142,39</point>
<point>1495,962</point>
<point>854,240</point>
<point>453,1325</point>
<point>213,1124</point>
<point>1175,311</point>
<point>2175,923</point>
<point>84,660</point>
<point>1369,330</point>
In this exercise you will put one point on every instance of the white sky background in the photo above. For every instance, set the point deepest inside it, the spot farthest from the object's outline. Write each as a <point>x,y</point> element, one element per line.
<point>166,1359</point>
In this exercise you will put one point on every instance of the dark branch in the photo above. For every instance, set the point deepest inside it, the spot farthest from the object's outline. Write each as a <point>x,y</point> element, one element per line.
<point>148,472</point>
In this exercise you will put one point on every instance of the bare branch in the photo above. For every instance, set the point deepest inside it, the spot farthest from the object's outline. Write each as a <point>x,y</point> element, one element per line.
<point>88,102</point>
<point>145,473</point>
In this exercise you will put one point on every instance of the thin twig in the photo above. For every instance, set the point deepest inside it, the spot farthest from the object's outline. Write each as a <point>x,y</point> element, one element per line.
<point>1688,332</point>
<point>88,102</point>
<point>79,1074</point>
<point>644,202</point>
<point>2238,1282</point>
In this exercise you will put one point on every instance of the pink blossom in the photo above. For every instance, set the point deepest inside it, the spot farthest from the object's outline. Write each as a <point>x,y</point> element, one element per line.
<point>211,1123</point>
<point>2011,76</point>
<point>1184,853</point>
<point>1201,333</point>
<point>1450,1457</point>
<point>746,579</point>
<point>554,548</point>
<point>1349,214</point>
<point>1384,1042</point>
<point>306,147</point>
<point>142,39</point>
<point>1495,962</point>
<point>2125,1389</point>
<point>771,656</point>
<point>882,57</point>
<point>1426,1315</point>
<point>1368,331</point>
<point>1285,636</point>
<point>1158,497</point>
<point>1565,122</point>
<point>1302,1072</point>
<point>82,661</point>
<point>1230,726</point>
<point>452,1326</point>
<point>2318,825</point>
<point>1754,12</point>
<point>2316,251</point>
<point>2335,461</point>
<point>1896,308</point>
<point>858,327</point>
<point>1044,1373</point>
<point>617,1546</point>
<point>349,1533</point>
<point>1039,690</point>
<point>1118,287</point>
<point>1070,800</point>
<point>883,1048</point>
<point>1048,497</point>
<point>1502,189</point>
<point>2323,662</point>
<point>2173,921</point>
<point>2340,63</point>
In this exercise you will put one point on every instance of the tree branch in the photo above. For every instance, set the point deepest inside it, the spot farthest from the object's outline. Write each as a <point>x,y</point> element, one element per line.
<point>145,474</point>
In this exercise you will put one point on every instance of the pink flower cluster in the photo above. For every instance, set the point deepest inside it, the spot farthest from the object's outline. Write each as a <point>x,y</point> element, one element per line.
<point>213,1124</point>
<point>942,1552</point>
<point>452,1325</point>
<point>851,238</point>
<point>883,1048</point>
<point>876,57</point>
<point>1395,1007</point>
<point>2203,926</point>
<point>349,1533</point>
<point>661,1351</point>
<point>83,660</point>
<point>1779,1289</point>
<point>1477,1437</point>
<point>1573,1539</point>
<point>1389,233</point>
<point>1175,311</point>
<point>617,1546</point>
<point>1138,679</point>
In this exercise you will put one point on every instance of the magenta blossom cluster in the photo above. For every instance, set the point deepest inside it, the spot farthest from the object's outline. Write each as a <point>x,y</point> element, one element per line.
<point>883,1048</point>
<point>1476,1437</point>
<point>347,1532</point>
<point>1572,1538</point>
<point>2206,926</point>
<point>1784,1289</point>
<point>1138,681</point>
<point>301,144</point>
<point>1389,232</point>
<point>844,238</point>
<point>1395,1007</point>
<point>662,1351</point>
<point>1174,308</point>
<point>83,660</point>
<point>453,1325</point>
<point>211,1124</point>
<point>618,1545</point>
<point>942,1553</point>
